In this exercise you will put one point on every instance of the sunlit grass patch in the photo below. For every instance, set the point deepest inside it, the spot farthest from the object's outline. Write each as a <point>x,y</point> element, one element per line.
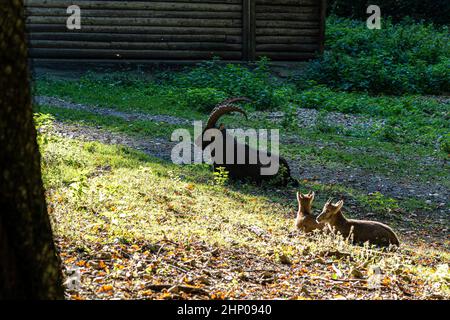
<point>102,196</point>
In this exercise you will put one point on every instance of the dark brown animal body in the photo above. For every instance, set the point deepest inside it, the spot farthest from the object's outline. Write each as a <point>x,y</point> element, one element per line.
<point>361,230</point>
<point>306,221</point>
<point>246,170</point>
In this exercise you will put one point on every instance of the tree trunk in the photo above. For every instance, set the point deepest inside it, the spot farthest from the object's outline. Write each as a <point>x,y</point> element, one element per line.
<point>29,266</point>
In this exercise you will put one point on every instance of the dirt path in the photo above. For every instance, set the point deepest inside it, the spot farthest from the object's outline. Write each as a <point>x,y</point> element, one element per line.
<point>305,117</point>
<point>128,116</point>
<point>156,147</point>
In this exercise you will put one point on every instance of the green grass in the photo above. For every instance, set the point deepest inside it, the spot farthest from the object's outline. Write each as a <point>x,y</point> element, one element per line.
<point>118,92</point>
<point>100,195</point>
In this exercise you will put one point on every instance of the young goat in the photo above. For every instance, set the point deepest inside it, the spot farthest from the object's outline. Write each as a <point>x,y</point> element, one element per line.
<point>306,221</point>
<point>374,232</point>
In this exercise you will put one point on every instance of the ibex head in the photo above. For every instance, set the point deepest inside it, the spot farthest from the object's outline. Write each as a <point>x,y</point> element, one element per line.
<point>329,210</point>
<point>305,201</point>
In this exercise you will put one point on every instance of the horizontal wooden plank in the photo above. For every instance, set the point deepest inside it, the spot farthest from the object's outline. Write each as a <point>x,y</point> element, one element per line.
<point>106,37</point>
<point>139,5</point>
<point>61,12</point>
<point>129,54</point>
<point>287,47</point>
<point>200,46</point>
<point>286,56</point>
<point>93,64</point>
<point>286,32</point>
<point>157,22</point>
<point>274,8</point>
<point>289,2</point>
<point>287,24</point>
<point>137,30</point>
<point>288,16</point>
<point>286,39</point>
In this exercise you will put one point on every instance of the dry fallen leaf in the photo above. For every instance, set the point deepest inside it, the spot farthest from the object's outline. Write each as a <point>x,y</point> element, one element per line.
<point>105,288</point>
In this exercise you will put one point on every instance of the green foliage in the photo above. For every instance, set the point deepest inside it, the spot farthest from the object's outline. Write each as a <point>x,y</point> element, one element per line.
<point>234,80</point>
<point>43,123</point>
<point>398,59</point>
<point>379,203</point>
<point>204,99</point>
<point>436,11</point>
<point>290,118</point>
<point>221,176</point>
<point>444,142</point>
<point>322,125</point>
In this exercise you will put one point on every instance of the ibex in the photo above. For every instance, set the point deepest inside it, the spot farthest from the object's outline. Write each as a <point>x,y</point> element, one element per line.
<point>362,231</point>
<point>306,221</point>
<point>246,170</point>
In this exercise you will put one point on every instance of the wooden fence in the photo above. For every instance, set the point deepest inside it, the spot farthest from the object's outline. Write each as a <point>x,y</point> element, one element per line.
<point>287,30</point>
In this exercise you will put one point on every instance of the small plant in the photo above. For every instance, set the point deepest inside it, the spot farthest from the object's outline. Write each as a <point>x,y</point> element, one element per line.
<point>322,124</point>
<point>221,176</point>
<point>43,123</point>
<point>280,177</point>
<point>376,201</point>
<point>444,143</point>
<point>78,188</point>
<point>290,118</point>
<point>391,131</point>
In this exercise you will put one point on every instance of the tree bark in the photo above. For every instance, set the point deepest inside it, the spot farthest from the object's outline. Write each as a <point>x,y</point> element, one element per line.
<point>29,266</point>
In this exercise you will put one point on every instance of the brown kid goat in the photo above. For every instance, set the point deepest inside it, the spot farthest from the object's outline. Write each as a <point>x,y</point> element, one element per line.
<point>306,221</point>
<point>362,230</point>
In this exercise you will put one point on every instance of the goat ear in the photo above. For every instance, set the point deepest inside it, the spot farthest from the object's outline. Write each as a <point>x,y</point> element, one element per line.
<point>299,196</point>
<point>339,205</point>
<point>313,194</point>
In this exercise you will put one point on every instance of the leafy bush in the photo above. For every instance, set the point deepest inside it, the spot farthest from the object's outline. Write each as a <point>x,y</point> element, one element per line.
<point>204,99</point>
<point>398,59</point>
<point>436,11</point>
<point>234,80</point>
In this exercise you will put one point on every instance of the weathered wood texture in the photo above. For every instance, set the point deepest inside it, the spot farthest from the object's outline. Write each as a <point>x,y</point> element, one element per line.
<point>288,29</point>
<point>177,29</point>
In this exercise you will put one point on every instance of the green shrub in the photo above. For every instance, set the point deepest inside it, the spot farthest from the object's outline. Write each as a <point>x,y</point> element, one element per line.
<point>204,99</point>
<point>398,59</point>
<point>235,80</point>
<point>436,11</point>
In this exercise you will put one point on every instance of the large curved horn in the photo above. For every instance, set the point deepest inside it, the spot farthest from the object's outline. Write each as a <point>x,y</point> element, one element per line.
<point>223,109</point>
